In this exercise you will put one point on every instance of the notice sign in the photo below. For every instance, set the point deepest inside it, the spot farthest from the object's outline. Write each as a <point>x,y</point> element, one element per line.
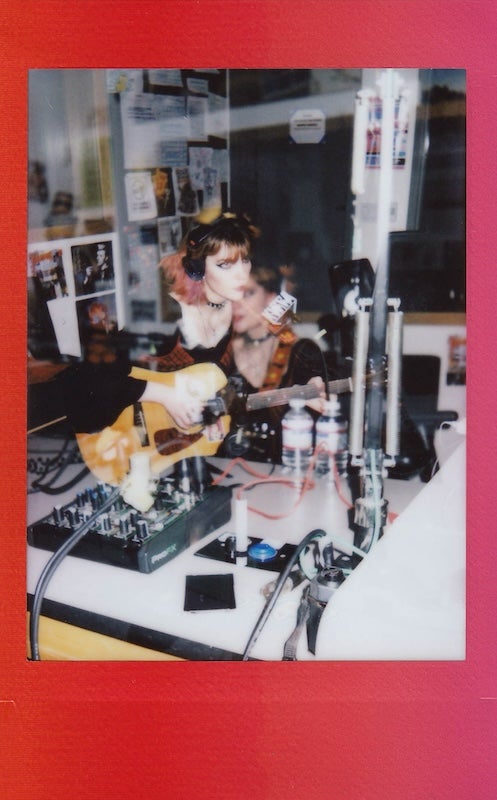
<point>307,126</point>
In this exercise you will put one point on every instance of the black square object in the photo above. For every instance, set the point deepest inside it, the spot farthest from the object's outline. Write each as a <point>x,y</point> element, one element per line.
<point>209,592</point>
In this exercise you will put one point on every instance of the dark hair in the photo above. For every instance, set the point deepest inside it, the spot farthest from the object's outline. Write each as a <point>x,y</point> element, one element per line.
<point>207,239</point>
<point>266,277</point>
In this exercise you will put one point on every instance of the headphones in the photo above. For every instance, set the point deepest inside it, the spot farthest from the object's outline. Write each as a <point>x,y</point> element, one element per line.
<point>195,267</point>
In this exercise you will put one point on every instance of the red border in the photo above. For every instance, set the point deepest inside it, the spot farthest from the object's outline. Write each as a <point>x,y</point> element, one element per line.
<point>392,730</point>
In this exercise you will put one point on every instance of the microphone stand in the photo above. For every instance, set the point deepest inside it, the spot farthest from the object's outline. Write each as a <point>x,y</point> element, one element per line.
<point>370,346</point>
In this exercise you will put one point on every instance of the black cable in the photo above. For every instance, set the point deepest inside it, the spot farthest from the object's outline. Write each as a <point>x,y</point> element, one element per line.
<point>55,462</point>
<point>58,470</point>
<point>52,565</point>
<point>46,488</point>
<point>56,458</point>
<point>315,534</point>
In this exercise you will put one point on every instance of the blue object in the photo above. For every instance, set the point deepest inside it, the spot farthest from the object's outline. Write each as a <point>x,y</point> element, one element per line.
<point>261,551</point>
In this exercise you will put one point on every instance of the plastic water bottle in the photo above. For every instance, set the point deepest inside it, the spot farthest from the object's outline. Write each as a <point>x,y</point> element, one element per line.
<point>297,430</point>
<point>331,439</point>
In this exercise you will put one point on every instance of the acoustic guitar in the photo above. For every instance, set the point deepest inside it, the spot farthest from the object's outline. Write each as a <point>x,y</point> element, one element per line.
<point>148,427</point>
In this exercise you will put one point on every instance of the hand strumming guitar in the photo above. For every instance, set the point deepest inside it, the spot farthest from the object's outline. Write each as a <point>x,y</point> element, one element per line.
<point>183,403</point>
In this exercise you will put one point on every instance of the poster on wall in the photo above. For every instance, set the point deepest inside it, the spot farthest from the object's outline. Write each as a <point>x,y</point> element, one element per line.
<point>46,269</point>
<point>97,315</point>
<point>186,197</point>
<point>169,235</point>
<point>58,276</point>
<point>456,368</point>
<point>140,196</point>
<point>148,120</point>
<point>162,182</point>
<point>400,135</point>
<point>46,288</point>
<point>93,267</point>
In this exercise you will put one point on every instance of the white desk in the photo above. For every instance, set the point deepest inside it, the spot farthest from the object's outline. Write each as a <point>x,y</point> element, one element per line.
<point>406,600</point>
<point>147,609</point>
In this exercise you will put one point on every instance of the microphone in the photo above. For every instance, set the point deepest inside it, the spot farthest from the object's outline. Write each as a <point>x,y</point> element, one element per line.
<point>280,311</point>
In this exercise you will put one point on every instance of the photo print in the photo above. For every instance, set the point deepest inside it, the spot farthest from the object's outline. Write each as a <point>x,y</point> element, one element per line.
<point>93,266</point>
<point>169,235</point>
<point>45,268</point>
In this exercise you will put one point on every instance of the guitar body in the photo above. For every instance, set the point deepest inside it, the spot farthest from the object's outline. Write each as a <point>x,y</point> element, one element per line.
<point>107,452</point>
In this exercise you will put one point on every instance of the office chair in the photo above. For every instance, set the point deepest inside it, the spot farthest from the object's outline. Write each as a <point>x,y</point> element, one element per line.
<point>420,387</point>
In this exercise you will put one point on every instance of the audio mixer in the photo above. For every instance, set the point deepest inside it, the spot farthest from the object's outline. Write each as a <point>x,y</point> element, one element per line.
<point>184,511</point>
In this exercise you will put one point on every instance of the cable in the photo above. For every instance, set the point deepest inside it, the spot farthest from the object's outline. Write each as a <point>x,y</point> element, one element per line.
<point>318,533</point>
<point>50,568</point>
<point>46,489</point>
<point>377,502</point>
<point>59,464</point>
<point>46,425</point>
<point>56,461</point>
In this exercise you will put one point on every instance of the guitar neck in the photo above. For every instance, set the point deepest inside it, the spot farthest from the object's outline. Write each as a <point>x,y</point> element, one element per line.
<point>280,397</point>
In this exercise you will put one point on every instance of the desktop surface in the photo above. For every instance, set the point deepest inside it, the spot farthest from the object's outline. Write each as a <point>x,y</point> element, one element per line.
<point>204,603</point>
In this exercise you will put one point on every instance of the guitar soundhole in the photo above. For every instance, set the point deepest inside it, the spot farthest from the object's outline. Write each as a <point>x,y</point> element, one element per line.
<point>171,440</point>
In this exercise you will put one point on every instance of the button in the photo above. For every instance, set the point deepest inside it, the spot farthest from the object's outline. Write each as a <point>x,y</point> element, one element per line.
<point>261,552</point>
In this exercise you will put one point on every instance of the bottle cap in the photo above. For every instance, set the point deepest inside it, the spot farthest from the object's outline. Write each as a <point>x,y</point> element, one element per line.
<point>331,406</point>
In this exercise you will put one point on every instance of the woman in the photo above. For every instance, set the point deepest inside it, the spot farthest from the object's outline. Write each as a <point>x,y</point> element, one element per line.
<point>266,360</point>
<point>260,356</point>
<point>204,279</point>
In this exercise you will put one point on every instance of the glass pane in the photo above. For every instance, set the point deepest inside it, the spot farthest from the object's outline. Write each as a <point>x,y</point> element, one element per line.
<point>69,170</point>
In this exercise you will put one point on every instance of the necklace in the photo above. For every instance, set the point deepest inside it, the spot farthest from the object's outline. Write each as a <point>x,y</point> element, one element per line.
<point>254,342</point>
<point>217,306</point>
<point>252,356</point>
<point>213,322</point>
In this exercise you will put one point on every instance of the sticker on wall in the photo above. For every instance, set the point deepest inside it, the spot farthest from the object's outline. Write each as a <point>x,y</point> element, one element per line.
<point>307,126</point>
<point>373,133</point>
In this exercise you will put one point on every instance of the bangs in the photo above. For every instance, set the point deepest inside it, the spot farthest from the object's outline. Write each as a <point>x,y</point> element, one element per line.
<point>235,251</point>
<point>234,236</point>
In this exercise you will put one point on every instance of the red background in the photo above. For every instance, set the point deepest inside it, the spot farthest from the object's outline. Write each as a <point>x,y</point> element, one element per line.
<point>393,730</point>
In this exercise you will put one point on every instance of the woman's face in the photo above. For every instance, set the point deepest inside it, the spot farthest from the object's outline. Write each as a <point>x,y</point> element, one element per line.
<point>226,275</point>
<point>247,313</point>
